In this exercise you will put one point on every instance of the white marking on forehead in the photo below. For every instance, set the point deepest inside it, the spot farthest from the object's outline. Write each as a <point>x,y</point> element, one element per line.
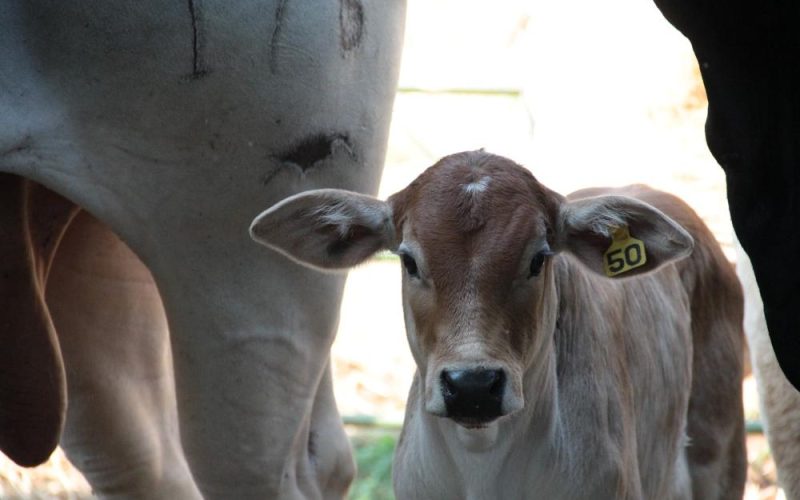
<point>479,186</point>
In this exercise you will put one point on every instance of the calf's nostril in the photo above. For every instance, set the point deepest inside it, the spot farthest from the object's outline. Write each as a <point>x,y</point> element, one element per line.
<point>498,384</point>
<point>448,384</point>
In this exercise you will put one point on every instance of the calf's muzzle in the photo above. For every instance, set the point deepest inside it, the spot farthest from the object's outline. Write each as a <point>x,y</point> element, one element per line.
<point>473,397</point>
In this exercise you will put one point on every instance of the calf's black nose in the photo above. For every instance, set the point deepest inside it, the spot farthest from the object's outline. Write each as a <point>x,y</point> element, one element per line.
<point>473,396</point>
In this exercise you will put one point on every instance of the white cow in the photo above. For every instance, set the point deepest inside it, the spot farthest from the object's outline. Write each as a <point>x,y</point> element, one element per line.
<point>538,377</point>
<point>172,123</point>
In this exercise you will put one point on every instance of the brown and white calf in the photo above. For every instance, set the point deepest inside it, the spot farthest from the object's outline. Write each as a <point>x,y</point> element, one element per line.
<point>538,375</point>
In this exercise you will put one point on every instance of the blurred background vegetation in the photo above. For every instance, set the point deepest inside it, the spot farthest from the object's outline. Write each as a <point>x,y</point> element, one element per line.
<point>373,450</point>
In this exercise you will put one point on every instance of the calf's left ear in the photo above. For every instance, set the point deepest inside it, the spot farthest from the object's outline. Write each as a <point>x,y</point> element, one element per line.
<point>326,228</point>
<point>618,236</point>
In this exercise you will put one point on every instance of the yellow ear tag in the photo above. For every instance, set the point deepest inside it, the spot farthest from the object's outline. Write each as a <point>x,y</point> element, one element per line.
<point>624,254</point>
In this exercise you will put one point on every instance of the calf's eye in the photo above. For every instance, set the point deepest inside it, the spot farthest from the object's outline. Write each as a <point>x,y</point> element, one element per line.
<point>537,262</point>
<point>410,265</point>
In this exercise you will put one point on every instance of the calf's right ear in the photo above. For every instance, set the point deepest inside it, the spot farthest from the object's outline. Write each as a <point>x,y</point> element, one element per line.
<point>326,228</point>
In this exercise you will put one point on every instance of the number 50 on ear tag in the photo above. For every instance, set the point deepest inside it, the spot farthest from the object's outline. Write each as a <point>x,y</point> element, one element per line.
<point>624,254</point>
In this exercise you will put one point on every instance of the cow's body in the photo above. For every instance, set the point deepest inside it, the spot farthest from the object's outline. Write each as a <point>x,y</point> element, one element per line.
<point>173,123</point>
<point>746,51</point>
<point>555,381</point>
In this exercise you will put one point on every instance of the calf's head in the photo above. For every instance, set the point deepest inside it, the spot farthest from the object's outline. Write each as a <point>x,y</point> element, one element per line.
<point>476,235</point>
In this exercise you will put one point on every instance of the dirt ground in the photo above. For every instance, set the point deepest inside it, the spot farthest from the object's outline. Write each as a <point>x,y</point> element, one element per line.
<point>608,97</point>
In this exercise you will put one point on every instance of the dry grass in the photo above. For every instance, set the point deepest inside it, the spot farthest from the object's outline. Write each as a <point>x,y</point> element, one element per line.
<point>56,479</point>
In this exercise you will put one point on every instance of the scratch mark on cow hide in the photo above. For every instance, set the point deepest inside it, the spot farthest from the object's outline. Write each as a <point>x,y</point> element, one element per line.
<point>351,24</point>
<point>280,13</point>
<point>22,146</point>
<point>199,68</point>
<point>312,447</point>
<point>139,156</point>
<point>311,150</point>
<point>315,148</point>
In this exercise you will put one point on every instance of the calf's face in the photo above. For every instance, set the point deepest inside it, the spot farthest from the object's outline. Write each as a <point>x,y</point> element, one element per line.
<point>474,239</point>
<point>476,235</point>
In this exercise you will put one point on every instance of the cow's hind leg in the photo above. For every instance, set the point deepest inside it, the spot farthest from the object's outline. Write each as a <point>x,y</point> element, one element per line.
<point>121,428</point>
<point>328,444</point>
<point>249,412</point>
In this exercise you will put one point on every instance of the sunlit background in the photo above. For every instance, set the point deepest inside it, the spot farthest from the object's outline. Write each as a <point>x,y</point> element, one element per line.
<point>583,93</point>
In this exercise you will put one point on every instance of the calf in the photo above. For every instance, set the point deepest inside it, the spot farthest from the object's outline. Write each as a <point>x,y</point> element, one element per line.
<point>540,374</point>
